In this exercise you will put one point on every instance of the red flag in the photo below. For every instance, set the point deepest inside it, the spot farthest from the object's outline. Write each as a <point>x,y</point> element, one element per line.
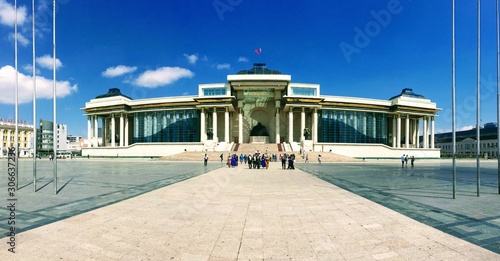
<point>258,51</point>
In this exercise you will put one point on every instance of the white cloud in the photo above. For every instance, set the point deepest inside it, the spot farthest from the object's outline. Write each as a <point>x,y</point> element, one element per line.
<point>118,70</point>
<point>44,87</point>
<point>47,61</point>
<point>8,14</point>
<point>29,69</point>
<point>223,66</point>
<point>191,58</point>
<point>162,76</point>
<point>20,39</point>
<point>243,59</point>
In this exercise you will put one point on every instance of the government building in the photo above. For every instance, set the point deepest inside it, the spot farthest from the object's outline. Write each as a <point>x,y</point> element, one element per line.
<point>261,106</point>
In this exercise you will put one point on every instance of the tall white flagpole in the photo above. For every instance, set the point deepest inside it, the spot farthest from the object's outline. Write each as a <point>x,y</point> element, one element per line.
<point>16,135</point>
<point>54,127</point>
<point>34,95</point>
<point>453,113</point>
<point>478,94</point>
<point>498,92</point>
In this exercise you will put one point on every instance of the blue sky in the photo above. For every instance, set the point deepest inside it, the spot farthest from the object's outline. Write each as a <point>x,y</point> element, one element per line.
<point>370,49</point>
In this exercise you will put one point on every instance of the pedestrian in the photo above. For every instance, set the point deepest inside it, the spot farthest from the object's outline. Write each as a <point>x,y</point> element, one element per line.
<point>406,161</point>
<point>205,160</point>
<point>412,160</point>
<point>403,161</point>
<point>250,161</point>
<point>221,157</point>
<point>307,158</point>
<point>283,161</point>
<point>319,158</point>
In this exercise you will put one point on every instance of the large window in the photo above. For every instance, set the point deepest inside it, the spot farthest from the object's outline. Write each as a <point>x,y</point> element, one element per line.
<point>304,91</point>
<point>214,91</point>
<point>167,126</point>
<point>337,126</point>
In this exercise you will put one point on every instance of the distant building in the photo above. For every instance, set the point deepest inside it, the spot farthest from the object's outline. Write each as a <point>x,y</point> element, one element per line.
<point>45,140</point>
<point>466,142</point>
<point>74,144</point>
<point>7,136</point>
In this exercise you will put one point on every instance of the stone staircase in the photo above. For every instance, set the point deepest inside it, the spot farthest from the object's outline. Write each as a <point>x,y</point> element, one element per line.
<point>247,148</point>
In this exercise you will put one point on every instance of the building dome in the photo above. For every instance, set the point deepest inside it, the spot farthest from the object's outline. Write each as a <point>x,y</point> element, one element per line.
<point>259,68</point>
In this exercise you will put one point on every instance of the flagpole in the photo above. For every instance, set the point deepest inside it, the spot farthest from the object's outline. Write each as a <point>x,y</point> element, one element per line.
<point>478,93</point>
<point>54,127</point>
<point>16,135</point>
<point>34,95</point>
<point>454,140</point>
<point>498,93</point>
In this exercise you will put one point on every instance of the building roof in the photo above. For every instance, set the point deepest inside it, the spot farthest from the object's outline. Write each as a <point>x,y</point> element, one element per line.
<point>407,92</point>
<point>259,68</point>
<point>111,93</point>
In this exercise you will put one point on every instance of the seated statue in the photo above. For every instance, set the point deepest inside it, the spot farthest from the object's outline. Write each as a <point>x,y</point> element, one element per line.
<point>259,130</point>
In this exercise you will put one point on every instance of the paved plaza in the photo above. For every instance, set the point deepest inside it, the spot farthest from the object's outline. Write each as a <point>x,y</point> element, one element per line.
<point>143,209</point>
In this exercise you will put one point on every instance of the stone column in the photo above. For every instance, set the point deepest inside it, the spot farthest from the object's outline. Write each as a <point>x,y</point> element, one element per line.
<point>425,137</point>
<point>89,130</point>
<point>121,129</point>
<point>203,134</point>
<point>315,126</point>
<point>290,125</point>
<point>240,125</point>
<point>414,133</point>
<point>226,125</point>
<point>125,138</point>
<point>407,131</point>
<point>104,131</point>
<point>277,127</point>
<point>214,124</point>
<point>398,132</point>
<point>432,132</point>
<point>96,132</point>
<point>394,132</point>
<point>302,123</point>
<point>113,131</point>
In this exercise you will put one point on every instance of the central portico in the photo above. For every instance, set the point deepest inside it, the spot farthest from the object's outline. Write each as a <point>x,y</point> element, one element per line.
<point>256,100</point>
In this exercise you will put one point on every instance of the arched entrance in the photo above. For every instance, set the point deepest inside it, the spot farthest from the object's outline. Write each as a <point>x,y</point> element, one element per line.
<point>260,119</point>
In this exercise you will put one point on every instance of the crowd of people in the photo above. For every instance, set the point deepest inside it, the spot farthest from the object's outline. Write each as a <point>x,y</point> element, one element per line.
<point>257,160</point>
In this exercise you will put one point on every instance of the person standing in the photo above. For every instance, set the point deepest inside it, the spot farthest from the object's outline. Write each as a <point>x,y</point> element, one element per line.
<point>307,158</point>
<point>221,157</point>
<point>403,161</point>
<point>412,160</point>
<point>205,159</point>
<point>319,159</point>
<point>283,161</point>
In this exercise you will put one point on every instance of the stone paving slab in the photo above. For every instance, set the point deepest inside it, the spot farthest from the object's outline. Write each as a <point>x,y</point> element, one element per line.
<point>243,214</point>
<point>425,194</point>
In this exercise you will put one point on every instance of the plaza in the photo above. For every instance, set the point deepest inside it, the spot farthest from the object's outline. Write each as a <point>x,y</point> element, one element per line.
<point>133,209</point>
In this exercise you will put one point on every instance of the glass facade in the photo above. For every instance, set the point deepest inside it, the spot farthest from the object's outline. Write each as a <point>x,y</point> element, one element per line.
<point>167,126</point>
<point>214,91</point>
<point>337,126</point>
<point>303,91</point>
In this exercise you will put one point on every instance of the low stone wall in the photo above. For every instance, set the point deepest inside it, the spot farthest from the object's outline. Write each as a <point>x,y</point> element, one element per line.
<point>143,150</point>
<point>377,151</point>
